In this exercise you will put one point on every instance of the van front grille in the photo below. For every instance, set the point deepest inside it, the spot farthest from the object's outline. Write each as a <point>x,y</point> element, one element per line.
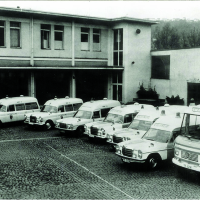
<point>33,119</point>
<point>189,156</point>
<point>94,130</point>
<point>63,125</point>
<point>127,152</point>
<point>117,139</point>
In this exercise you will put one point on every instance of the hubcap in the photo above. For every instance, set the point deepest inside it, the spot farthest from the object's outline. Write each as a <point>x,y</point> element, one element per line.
<point>153,162</point>
<point>48,125</point>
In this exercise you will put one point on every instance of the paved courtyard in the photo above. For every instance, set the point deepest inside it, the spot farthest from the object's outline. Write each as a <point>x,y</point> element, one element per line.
<point>38,164</point>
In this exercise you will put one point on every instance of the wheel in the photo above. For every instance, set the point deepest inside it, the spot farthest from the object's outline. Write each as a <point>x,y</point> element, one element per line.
<point>152,161</point>
<point>48,125</point>
<point>80,130</point>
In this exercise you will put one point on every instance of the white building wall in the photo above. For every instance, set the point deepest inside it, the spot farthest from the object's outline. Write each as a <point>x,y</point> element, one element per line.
<point>184,68</point>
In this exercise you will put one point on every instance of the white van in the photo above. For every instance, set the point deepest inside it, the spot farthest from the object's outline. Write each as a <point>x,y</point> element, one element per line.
<point>156,145</point>
<point>141,123</point>
<point>88,112</point>
<point>117,118</point>
<point>13,109</point>
<point>53,110</point>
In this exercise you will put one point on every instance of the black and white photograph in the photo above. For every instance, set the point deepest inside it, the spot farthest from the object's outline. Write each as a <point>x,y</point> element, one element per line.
<point>99,99</point>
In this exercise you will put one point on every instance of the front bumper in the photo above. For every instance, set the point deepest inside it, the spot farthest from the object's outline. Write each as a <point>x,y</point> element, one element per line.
<point>187,165</point>
<point>130,160</point>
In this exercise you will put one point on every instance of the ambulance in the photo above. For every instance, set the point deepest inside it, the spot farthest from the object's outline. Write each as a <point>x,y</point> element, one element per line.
<point>54,109</point>
<point>156,145</point>
<point>187,145</point>
<point>141,123</point>
<point>13,109</point>
<point>117,118</point>
<point>89,112</point>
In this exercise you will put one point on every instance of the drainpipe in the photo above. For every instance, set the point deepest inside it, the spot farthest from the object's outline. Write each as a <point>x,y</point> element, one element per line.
<point>31,34</point>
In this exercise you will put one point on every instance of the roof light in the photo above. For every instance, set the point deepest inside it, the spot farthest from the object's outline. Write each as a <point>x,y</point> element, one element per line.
<point>142,107</point>
<point>55,98</point>
<point>67,97</point>
<point>104,98</point>
<point>136,103</point>
<point>157,108</point>
<point>178,115</point>
<point>166,105</point>
<point>7,97</point>
<point>162,112</point>
<point>21,95</point>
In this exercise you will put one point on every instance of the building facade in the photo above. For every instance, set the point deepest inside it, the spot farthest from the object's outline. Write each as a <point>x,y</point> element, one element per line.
<point>46,54</point>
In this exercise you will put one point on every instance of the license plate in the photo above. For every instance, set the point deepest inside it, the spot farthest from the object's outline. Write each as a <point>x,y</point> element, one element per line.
<point>126,160</point>
<point>62,131</point>
<point>92,136</point>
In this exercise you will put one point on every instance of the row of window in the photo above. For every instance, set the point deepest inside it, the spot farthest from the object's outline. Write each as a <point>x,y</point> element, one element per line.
<point>15,36</point>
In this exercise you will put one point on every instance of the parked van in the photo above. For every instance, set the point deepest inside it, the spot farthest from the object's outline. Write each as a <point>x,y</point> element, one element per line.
<point>117,118</point>
<point>141,123</point>
<point>13,109</point>
<point>187,145</point>
<point>53,110</point>
<point>88,112</point>
<point>156,145</point>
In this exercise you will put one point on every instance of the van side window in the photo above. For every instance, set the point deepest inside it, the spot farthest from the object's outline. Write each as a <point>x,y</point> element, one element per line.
<point>104,112</point>
<point>31,106</point>
<point>128,118</point>
<point>61,108</point>
<point>11,108</point>
<point>68,108</point>
<point>96,114</point>
<point>20,107</point>
<point>77,106</point>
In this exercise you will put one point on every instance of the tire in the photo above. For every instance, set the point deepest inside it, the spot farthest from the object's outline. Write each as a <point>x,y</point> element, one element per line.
<point>153,161</point>
<point>80,130</point>
<point>48,125</point>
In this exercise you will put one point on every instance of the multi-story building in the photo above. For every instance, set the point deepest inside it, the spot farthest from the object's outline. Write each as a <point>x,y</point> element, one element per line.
<point>45,54</point>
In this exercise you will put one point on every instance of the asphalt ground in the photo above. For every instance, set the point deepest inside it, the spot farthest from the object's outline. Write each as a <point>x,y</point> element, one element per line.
<point>38,164</point>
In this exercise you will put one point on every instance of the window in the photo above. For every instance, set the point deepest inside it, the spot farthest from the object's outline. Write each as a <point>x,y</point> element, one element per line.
<point>31,106</point>
<point>20,107</point>
<point>128,118</point>
<point>96,114</point>
<point>118,47</point>
<point>96,39</point>
<point>104,112</point>
<point>2,33</point>
<point>68,108</point>
<point>77,106</point>
<point>45,36</point>
<point>58,37</point>
<point>160,67</point>
<point>85,39</point>
<point>61,108</point>
<point>117,86</point>
<point>14,34</point>
<point>11,108</point>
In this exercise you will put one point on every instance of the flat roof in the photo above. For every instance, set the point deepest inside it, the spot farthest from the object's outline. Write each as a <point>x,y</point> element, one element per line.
<point>27,12</point>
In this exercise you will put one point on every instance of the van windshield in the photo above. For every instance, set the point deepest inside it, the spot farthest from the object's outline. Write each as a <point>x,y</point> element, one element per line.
<point>2,108</point>
<point>83,114</point>
<point>158,135</point>
<point>140,125</point>
<point>48,108</point>
<point>114,118</point>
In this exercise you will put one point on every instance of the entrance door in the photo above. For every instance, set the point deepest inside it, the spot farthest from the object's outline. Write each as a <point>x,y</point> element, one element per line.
<point>194,92</point>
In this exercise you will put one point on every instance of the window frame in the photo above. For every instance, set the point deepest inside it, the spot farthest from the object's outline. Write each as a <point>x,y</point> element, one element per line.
<point>19,34</point>
<point>4,34</point>
<point>59,31</point>
<point>42,32</point>
<point>88,38</point>
<point>99,37</point>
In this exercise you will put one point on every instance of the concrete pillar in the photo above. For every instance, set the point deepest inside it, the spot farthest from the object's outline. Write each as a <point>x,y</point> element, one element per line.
<point>31,85</point>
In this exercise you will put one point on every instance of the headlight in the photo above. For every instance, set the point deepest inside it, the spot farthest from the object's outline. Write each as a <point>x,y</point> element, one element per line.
<point>40,119</point>
<point>135,153</point>
<point>176,152</point>
<point>25,116</point>
<point>140,154</point>
<point>57,124</point>
<point>71,126</point>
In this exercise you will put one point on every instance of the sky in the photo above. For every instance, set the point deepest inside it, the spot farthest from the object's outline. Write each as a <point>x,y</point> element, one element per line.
<point>112,9</point>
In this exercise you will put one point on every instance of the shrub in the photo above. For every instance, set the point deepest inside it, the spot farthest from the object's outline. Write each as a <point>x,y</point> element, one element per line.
<point>174,100</point>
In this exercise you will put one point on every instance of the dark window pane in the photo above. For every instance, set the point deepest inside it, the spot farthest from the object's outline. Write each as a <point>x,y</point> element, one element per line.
<point>1,23</point>
<point>115,39</point>
<point>121,39</point>
<point>85,30</point>
<point>160,67</point>
<point>11,108</point>
<point>104,112</point>
<point>96,39</point>
<point>96,30</point>
<point>114,77</point>
<point>128,118</point>
<point>45,26</point>
<point>119,77</point>
<point>14,24</point>
<point>114,92</point>
<point>30,106</point>
<point>120,58</point>
<point>59,28</point>
<point>119,92</point>
<point>115,58</point>
<point>77,106</point>
<point>96,114</point>
<point>68,108</point>
<point>1,36</point>
<point>20,107</point>
<point>84,37</point>
<point>58,36</point>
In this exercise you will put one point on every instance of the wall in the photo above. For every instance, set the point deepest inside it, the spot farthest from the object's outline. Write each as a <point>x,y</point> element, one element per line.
<point>184,67</point>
